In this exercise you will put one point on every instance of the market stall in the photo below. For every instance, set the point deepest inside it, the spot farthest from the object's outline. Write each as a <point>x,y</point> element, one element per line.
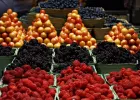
<point>62,51</point>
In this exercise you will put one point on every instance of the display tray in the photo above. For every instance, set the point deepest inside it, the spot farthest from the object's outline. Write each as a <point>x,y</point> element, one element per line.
<point>107,68</point>
<point>60,13</point>
<point>100,33</point>
<point>5,60</point>
<point>92,23</point>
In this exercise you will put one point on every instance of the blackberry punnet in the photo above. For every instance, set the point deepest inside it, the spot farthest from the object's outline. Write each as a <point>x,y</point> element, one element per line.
<point>6,51</point>
<point>60,4</point>
<point>33,54</point>
<point>96,12</point>
<point>65,55</point>
<point>107,53</point>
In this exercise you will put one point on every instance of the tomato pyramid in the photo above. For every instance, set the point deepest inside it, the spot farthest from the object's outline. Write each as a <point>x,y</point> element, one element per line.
<point>12,32</point>
<point>43,30</point>
<point>123,37</point>
<point>75,31</point>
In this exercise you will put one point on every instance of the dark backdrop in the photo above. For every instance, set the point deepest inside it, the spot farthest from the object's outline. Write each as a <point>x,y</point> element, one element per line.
<point>107,4</point>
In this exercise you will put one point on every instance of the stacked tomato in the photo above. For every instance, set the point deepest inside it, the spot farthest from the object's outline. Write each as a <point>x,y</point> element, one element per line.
<point>11,30</point>
<point>43,30</point>
<point>80,82</point>
<point>75,31</point>
<point>123,37</point>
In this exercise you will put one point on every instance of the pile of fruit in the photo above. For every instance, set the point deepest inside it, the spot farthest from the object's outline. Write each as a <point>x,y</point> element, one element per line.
<point>11,30</point>
<point>96,12</point>
<point>126,83</point>
<point>79,82</point>
<point>33,54</point>
<point>91,12</point>
<point>25,83</point>
<point>6,51</point>
<point>108,53</point>
<point>57,4</point>
<point>65,55</point>
<point>123,37</point>
<point>43,30</point>
<point>75,31</point>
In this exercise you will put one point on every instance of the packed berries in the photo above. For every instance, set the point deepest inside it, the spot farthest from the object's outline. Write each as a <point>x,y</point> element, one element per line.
<point>80,82</point>
<point>126,83</point>
<point>25,83</point>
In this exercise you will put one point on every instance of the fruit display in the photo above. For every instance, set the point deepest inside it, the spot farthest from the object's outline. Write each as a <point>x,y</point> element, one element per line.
<point>57,4</point>
<point>108,53</point>
<point>6,51</point>
<point>25,83</point>
<point>43,30</point>
<point>75,31</point>
<point>126,83</point>
<point>11,30</point>
<point>123,37</point>
<point>79,82</point>
<point>65,55</point>
<point>33,54</point>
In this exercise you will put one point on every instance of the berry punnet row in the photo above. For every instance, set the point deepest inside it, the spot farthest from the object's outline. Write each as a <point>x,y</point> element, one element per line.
<point>25,82</point>
<point>125,83</point>
<point>80,82</point>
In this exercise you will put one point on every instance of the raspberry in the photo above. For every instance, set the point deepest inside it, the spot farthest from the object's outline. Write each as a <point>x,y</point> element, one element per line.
<point>13,87</point>
<point>123,97</point>
<point>39,80</point>
<point>23,89</point>
<point>97,96</point>
<point>35,94</point>
<point>66,95</point>
<point>80,93</point>
<point>10,93</point>
<point>29,84</point>
<point>105,86</point>
<point>26,67</point>
<point>52,92</point>
<point>136,89</point>
<point>131,95</point>
<point>98,79</point>
<point>110,96</point>
<point>33,79</point>
<point>37,69</point>
<point>4,89</point>
<point>76,63</point>
<point>41,76</point>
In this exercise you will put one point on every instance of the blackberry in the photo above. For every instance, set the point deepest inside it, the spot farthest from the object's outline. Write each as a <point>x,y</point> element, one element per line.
<point>60,4</point>
<point>108,53</point>
<point>6,51</point>
<point>35,55</point>
<point>67,54</point>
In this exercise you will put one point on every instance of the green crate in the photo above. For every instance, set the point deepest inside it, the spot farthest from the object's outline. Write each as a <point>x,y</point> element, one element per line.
<point>107,68</point>
<point>5,60</point>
